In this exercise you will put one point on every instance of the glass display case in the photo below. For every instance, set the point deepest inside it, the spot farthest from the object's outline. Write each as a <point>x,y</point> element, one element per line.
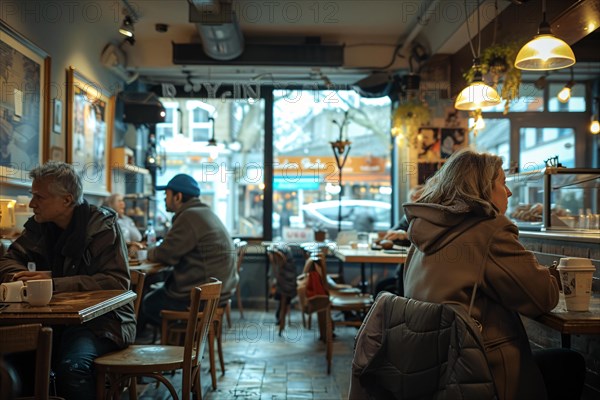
<point>140,208</point>
<point>555,198</point>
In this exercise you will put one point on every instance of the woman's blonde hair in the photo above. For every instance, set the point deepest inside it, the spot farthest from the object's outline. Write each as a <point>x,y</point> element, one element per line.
<point>466,176</point>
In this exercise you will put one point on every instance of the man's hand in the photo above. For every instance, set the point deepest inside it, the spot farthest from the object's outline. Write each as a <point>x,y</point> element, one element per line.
<point>396,235</point>
<point>31,275</point>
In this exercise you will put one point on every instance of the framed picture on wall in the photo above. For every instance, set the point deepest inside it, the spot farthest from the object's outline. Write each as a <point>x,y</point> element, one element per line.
<point>89,131</point>
<point>24,106</point>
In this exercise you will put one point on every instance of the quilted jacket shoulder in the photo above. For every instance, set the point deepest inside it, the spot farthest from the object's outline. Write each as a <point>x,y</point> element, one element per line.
<point>409,349</point>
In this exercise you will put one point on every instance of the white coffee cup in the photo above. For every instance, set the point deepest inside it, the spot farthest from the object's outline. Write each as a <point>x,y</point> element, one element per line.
<point>10,292</point>
<point>142,255</point>
<point>576,278</point>
<point>37,292</point>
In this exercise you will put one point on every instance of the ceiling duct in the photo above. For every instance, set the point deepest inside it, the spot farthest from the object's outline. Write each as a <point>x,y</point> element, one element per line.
<point>219,28</point>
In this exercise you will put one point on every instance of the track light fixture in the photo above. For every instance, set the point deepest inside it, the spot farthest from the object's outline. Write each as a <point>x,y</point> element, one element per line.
<point>127,28</point>
<point>545,51</point>
<point>565,93</point>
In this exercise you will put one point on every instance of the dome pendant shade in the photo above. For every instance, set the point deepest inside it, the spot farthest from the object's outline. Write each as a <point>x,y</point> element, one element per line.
<point>477,95</point>
<point>543,53</point>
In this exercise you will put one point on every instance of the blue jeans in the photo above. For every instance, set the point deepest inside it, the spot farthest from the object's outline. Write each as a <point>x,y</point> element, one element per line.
<point>73,361</point>
<point>157,300</point>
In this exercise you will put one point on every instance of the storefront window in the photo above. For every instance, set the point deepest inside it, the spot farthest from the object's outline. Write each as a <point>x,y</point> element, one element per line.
<point>494,138</point>
<point>539,144</point>
<point>231,174</point>
<point>306,188</point>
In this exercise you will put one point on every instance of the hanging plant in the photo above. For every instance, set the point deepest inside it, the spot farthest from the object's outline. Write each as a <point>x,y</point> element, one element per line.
<point>498,64</point>
<point>408,118</point>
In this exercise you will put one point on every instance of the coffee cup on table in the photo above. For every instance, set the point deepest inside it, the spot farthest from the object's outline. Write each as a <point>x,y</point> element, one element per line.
<point>142,255</point>
<point>10,292</point>
<point>37,292</point>
<point>576,278</point>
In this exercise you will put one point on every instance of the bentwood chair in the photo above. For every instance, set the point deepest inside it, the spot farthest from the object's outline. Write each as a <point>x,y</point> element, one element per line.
<point>319,304</point>
<point>173,332</point>
<point>25,338</point>
<point>154,360</point>
<point>240,249</point>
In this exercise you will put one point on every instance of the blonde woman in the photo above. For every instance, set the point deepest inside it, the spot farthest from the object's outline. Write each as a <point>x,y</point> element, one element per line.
<point>460,236</point>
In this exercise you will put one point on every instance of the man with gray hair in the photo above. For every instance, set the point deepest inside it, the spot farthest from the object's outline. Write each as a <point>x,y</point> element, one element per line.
<point>80,247</point>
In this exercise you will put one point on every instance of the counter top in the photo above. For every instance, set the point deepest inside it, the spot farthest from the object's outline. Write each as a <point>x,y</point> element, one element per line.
<point>568,236</point>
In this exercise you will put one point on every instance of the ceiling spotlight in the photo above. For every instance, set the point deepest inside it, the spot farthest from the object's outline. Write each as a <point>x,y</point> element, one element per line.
<point>126,28</point>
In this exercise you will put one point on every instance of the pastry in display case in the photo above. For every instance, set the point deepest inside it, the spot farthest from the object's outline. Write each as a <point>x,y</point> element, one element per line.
<point>555,198</point>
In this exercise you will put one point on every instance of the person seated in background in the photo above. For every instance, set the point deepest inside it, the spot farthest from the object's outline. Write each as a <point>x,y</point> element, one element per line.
<point>79,246</point>
<point>460,237</point>
<point>198,247</point>
<point>130,232</point>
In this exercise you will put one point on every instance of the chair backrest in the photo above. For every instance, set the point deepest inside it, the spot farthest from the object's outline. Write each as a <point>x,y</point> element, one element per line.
<point>21,338</point>
<point>240,248</point>
<point>203,304</point>
<point>137,284</point>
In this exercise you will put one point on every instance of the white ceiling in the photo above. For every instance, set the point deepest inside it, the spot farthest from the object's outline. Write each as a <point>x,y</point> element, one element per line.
<point>370,30</point>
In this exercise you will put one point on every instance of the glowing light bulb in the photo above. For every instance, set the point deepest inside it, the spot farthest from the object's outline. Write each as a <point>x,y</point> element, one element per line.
<point>595,126</point>
<point>479,123</point>
<point>564,95</point>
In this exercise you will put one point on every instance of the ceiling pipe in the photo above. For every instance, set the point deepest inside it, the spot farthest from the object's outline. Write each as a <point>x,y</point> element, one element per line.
<point>421,21</point>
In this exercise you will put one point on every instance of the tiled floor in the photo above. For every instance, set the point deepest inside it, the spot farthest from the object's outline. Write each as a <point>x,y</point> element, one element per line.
<point>261,365</point>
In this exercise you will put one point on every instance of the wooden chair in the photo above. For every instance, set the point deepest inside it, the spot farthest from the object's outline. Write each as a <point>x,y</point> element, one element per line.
<point>278,261</point>
<point>137,284</point>
<point>240,248</point>
<point>319,304</point>
<point>173,332</point>
<point>346,300</point>
<point>153,360</point>
<point>23,338</point>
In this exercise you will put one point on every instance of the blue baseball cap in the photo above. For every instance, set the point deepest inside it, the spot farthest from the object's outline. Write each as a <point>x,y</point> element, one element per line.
<point>182,183</point>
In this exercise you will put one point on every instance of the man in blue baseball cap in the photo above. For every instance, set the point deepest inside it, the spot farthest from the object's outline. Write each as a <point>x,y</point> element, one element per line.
<point>198,247</point>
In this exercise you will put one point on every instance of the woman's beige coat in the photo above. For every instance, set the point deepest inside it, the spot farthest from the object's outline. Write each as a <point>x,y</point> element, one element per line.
<point>456,246</point>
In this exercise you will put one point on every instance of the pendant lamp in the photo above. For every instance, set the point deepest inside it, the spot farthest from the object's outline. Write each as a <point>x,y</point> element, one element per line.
<point>478,94</point>
<point>545,51</point>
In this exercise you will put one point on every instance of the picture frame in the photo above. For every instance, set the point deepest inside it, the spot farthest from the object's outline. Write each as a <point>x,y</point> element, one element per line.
<point>24,106</point>
<point>57,116</point>
<point>57,153</point>
<point>89,131</point>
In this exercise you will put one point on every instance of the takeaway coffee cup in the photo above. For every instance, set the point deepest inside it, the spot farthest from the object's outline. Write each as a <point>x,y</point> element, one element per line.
<point>37,292</point>
<point>576,278</point>
<point>10,292</point>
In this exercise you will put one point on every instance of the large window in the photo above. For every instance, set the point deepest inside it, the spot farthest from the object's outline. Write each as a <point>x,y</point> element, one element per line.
<point>306,190</point>
<point>231,174</point>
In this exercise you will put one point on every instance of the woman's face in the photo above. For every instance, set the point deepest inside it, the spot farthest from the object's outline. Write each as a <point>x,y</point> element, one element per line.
<point>500,193</point>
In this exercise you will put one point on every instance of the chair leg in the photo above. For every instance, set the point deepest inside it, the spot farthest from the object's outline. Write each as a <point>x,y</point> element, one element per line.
<point>133,389</point>
<point>211,357</point>
<point>329,339</point>
<point>100,383</point>
<point>219,334</point>
<point>282,312</point>
<point>240,306</point>
<point>228,313</point>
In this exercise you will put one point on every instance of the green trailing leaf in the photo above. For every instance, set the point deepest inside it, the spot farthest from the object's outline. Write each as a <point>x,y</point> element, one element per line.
<point>498,66</point>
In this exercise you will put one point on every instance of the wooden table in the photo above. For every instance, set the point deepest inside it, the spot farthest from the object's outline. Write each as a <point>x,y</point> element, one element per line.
<point>364,256</point>
<point>573,322</point>
<point>67,308</point>
<point>148,267</point>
